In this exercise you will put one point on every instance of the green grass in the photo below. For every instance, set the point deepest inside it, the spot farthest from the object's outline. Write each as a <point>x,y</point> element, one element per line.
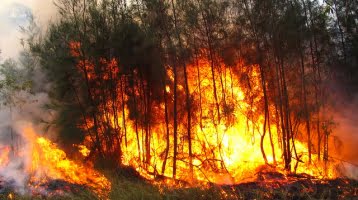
<point>131,187</point>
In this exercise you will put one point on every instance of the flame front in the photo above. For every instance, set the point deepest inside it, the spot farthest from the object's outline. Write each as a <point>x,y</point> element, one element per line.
<point>227,123</point>
<point>225,150</point>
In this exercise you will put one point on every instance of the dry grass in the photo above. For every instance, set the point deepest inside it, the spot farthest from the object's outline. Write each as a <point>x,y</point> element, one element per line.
<point>127,185</point>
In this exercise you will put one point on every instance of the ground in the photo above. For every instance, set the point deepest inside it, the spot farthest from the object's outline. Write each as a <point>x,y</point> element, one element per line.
<point>127,185</point>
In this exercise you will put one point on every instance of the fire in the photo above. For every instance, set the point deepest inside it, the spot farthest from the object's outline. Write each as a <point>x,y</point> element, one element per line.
<point>227,122</point>
<point>226,150</point>
<point>4,155</point>
<point>54,163</point>
<point>83,150</point>
<point>46,162</point>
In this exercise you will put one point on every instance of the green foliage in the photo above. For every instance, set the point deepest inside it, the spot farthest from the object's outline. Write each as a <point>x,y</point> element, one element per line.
<point>13,79</point>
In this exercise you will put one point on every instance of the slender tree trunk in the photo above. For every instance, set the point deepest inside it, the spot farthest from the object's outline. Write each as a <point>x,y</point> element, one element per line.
<point>123,113</point>
<point>175,133</point>
<point>187,92</point>
<point>306,111</point>
<point>12,134</point>
<point>263,84</point>
<point>283,116</point>
<point>212,63</point>
<point>167,128</point>
<point>199,87</point>
<point>315,66</point>
<point>286,117</point>
<point>269,125</point>
<point>136,116</point>
<point>341,33</point>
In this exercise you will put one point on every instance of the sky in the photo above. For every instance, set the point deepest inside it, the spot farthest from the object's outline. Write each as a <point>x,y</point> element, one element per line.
<point>13,14</point>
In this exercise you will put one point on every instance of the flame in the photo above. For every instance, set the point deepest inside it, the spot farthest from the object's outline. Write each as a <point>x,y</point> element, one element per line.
<point>4,156</point>
<point>227,126</point>
<point>47,162</point>
<point>225,151</point>
<point>83,150</point>
<point>54,163</point>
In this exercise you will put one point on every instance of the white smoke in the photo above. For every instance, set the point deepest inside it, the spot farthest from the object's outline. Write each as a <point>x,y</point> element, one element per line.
<point>13,14</point>
<point>28,110</point>
<point>12,134</point>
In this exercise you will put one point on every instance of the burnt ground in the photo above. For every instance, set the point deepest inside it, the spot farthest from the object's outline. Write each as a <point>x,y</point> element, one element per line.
<point>274,185</point>
<point>51,187</point>
<point>266,185</point>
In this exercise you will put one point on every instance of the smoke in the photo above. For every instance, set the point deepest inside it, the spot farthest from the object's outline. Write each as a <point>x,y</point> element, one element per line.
<point>345,134</point>
<point>14,126</point>
<point>347,130</point>
<point>15,13</point>
<point>27,112</point>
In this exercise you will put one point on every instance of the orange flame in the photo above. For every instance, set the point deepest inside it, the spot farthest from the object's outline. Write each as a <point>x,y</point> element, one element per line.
<point>53,162</point>
<point>227,127</point>
<point>225,151</point>
<point>47,162</point>
<point>4,156</point>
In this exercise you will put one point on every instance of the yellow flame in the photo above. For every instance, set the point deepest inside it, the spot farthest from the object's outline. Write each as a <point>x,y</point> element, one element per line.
<point>227,126</point>
<point>53,163</point>
<point>226,150</point>
<point>83,150</point>
<point>47,162</point>
<point>4,156</point>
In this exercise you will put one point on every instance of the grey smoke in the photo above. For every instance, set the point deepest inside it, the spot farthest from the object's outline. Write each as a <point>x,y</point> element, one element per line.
<point>13,14</point>
<point>28,109</point>
<point>345,135</point>
<point>12,126</point>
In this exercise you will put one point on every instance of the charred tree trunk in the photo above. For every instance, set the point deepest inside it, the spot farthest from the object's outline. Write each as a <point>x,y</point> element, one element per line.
<point>123,112</point>
<point>135,106</point>
<point>310,21</point>
<point>175,113</point>
<point>263,84</point>
<point>286,115</point>
<point>306,112</point>
<point>282,113</point>
<point>187,91</point>
<point>209,41</point>
<point>269,127</point>
<point>167,128</point>
<point>199,87</point>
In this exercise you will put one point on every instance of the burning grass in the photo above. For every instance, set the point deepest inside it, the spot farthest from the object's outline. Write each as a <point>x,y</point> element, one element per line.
<point>41,168</point>
<point>128,184</point>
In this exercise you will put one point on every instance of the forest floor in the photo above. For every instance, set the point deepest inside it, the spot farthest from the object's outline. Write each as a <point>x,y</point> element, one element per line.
<point>128,185</point>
